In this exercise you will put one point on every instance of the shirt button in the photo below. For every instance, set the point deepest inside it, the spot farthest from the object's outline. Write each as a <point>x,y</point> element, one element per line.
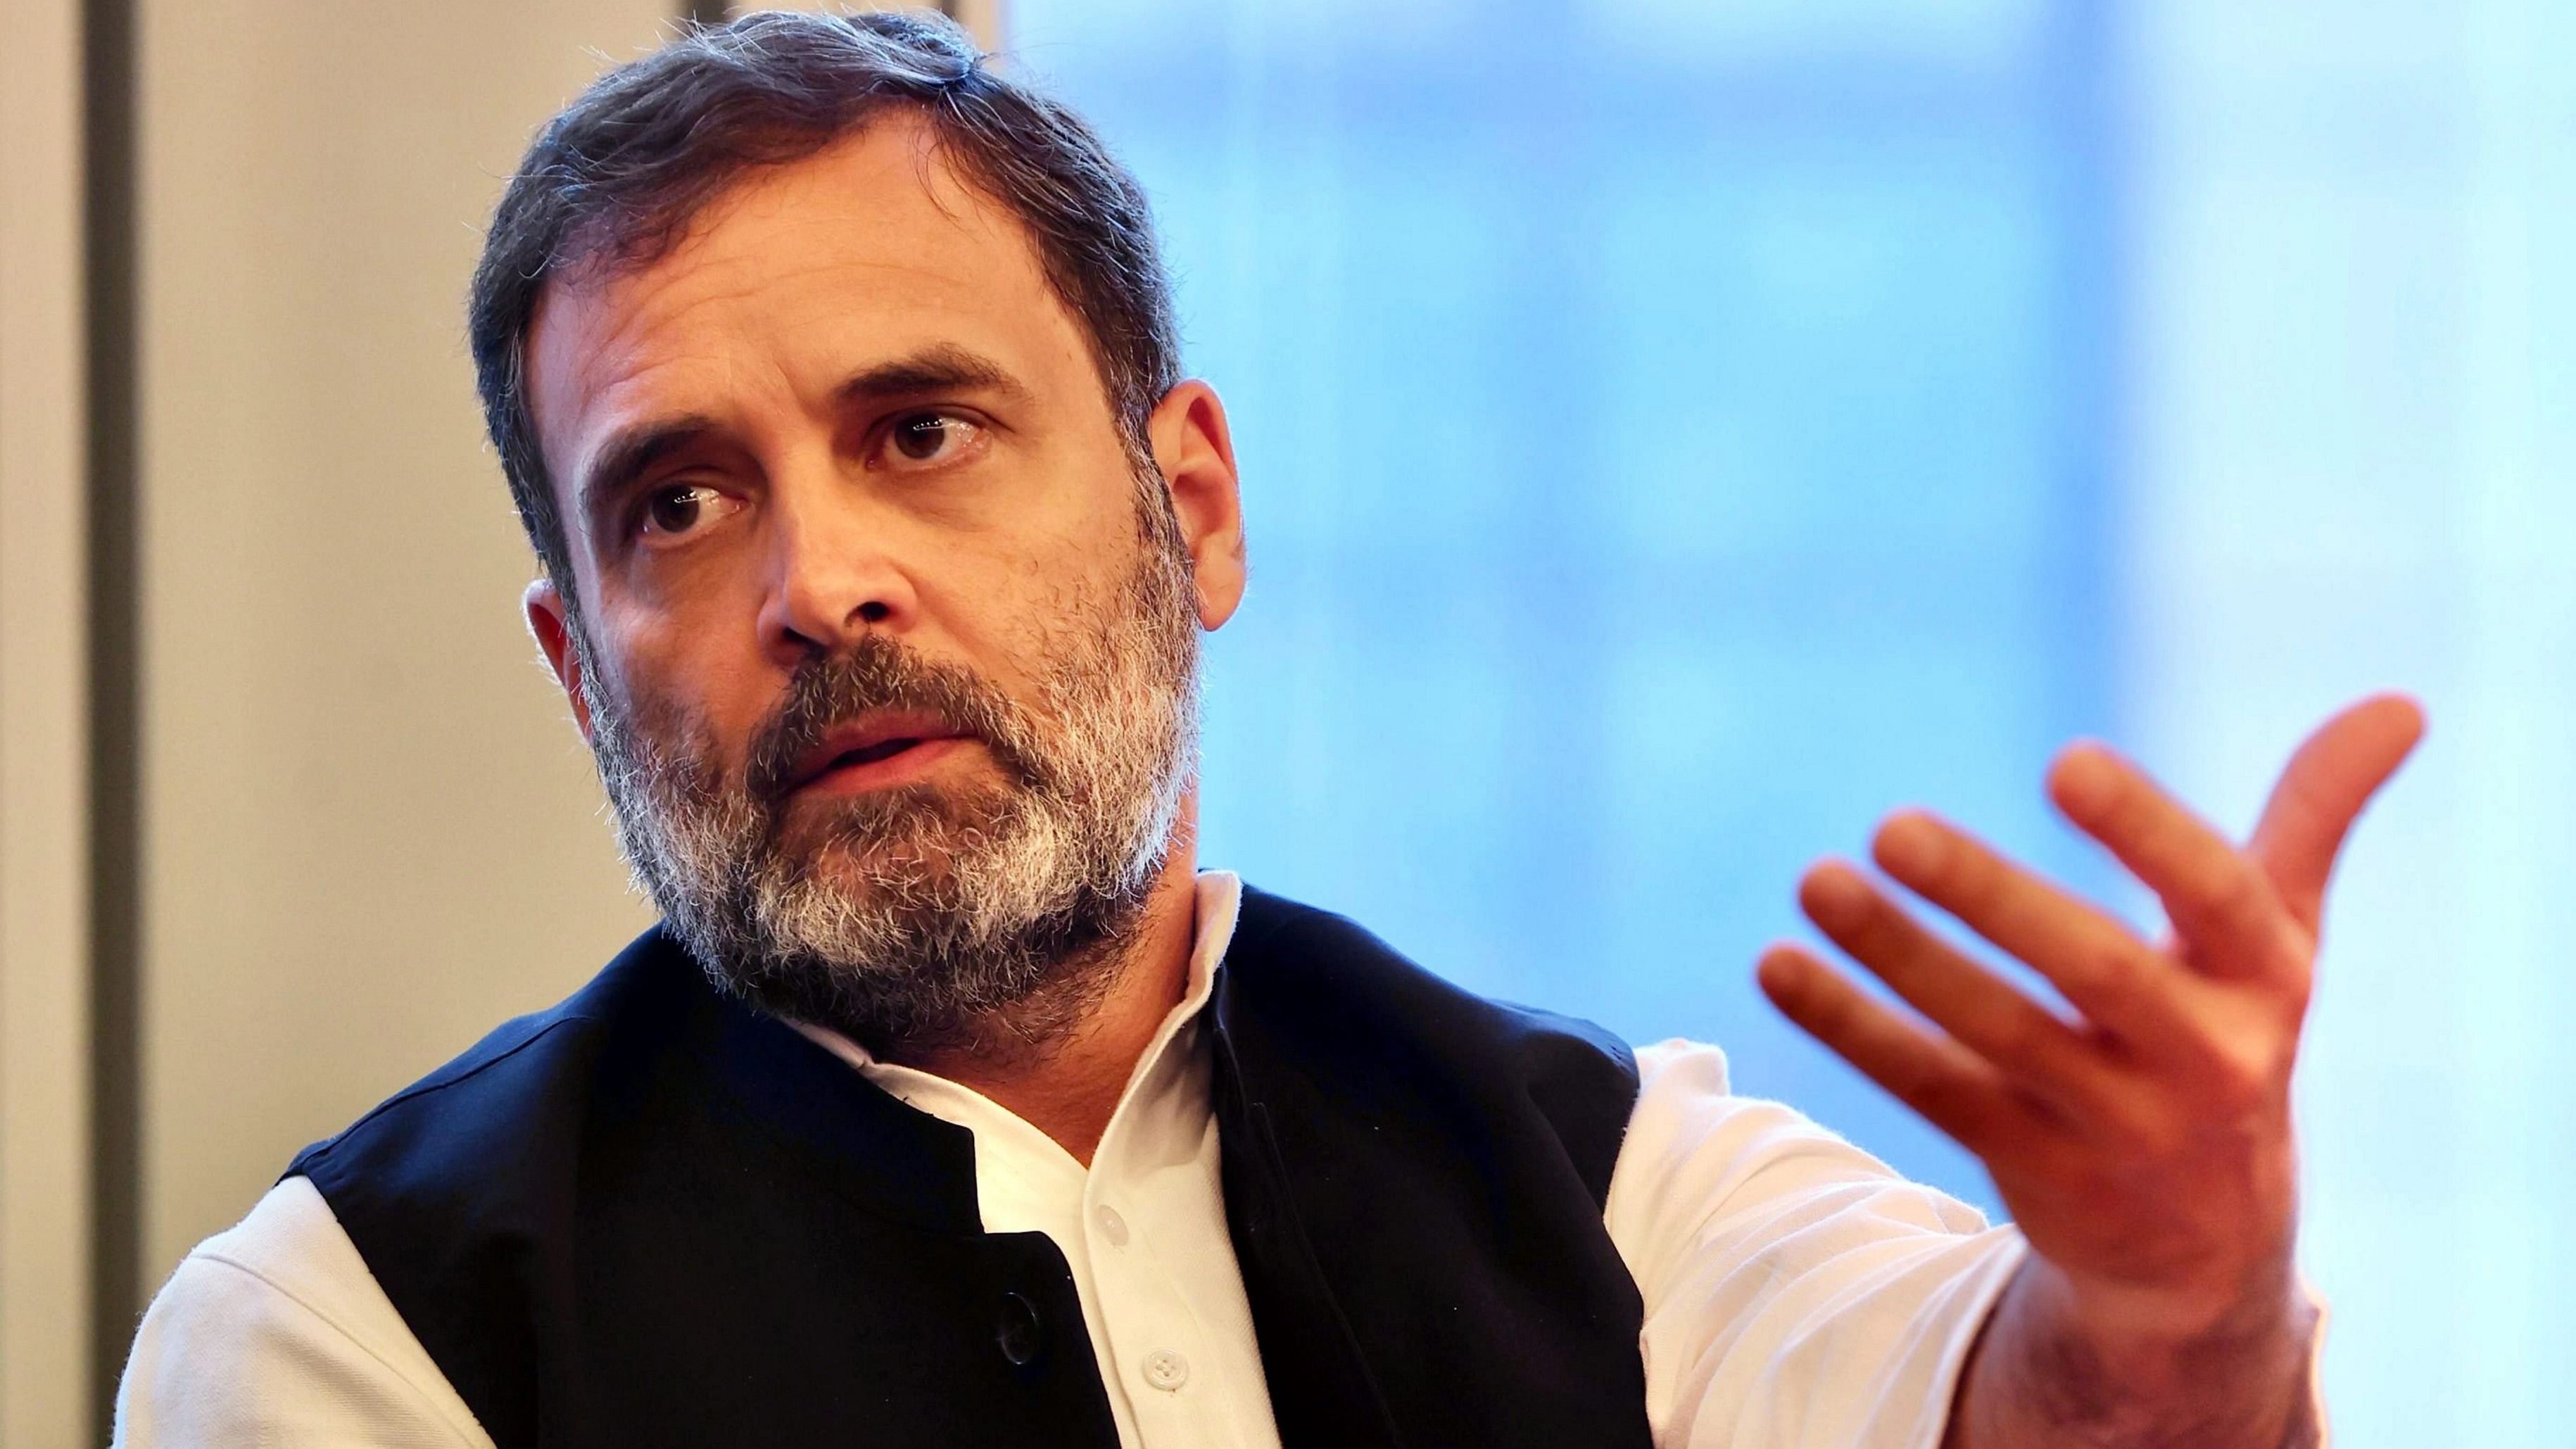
<point>1166,1370</point>
<point>1112,1226</point>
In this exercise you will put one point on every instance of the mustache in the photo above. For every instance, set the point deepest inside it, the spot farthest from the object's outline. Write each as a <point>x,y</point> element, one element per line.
<point>830,690</point>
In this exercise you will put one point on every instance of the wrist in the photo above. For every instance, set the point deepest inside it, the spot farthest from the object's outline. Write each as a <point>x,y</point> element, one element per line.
<point>2064,1363</point>
<point>2153,1321</point>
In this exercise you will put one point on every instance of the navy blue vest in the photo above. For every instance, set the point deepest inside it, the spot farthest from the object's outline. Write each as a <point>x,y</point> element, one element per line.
<point>652,1216</point>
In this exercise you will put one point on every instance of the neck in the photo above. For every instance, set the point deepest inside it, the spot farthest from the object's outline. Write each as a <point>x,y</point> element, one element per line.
<point>1068,1085</point>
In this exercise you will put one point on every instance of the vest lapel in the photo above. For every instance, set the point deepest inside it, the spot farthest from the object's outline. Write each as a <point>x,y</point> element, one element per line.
<point>1321,1390</point>
<point>1414,1180</point>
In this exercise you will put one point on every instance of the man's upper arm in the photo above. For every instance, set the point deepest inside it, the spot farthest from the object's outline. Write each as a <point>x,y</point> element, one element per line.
<point>275,1333</point>
<point>1798,1294</point>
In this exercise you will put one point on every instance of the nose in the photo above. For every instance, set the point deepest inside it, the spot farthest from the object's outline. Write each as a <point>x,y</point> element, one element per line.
<point>833,575</point>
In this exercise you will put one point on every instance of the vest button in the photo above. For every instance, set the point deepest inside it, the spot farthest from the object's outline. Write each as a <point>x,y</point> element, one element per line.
<point>1019,1332</point>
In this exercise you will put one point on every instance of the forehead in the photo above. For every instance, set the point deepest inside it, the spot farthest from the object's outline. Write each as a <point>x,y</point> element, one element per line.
<point>790,281</point>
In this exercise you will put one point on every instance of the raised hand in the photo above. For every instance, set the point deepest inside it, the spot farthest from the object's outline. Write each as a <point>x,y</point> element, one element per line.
<point>2144,1145</point>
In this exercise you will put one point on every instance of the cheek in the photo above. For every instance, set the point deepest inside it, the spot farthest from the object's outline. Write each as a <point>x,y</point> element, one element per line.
<point>673,675</point>
<point>1037,613</point>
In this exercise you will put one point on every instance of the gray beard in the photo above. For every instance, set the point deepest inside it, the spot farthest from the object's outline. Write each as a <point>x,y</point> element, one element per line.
<point>987,917</point>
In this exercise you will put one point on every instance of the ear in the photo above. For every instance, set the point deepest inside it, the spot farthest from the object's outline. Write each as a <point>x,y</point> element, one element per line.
<point>547,620</point>
<point>1196,455</point>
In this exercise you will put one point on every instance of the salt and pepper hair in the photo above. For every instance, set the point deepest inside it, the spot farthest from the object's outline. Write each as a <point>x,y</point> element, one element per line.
<point>617,177</point>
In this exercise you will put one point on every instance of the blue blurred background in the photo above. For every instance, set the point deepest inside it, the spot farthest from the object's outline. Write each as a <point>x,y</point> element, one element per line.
<point>1676,432</point>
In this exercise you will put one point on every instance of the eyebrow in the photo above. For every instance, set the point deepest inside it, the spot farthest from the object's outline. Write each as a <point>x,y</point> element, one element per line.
<point>629,454</point>
<point>942,367</point>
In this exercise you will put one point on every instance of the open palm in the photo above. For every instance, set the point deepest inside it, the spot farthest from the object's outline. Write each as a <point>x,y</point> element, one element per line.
<point>2144,1145</point>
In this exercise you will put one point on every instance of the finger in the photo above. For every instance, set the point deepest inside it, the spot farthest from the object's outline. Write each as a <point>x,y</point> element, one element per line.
<point>1982,1012</point>
<point>2117,981</point>
<point>2323,789</point>
<point>1940,1079</point>
<point>2222,905</point>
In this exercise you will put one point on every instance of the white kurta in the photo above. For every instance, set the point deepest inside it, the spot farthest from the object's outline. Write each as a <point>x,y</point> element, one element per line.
<point>1798,1294</point>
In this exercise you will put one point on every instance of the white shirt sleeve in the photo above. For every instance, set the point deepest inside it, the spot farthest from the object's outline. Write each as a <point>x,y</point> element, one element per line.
<point>274,1333</point>
<point>1798,1294</point>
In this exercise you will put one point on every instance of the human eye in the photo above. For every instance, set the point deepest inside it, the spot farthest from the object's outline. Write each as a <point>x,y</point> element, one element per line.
<point>675,510</point>
<point>930,438</point>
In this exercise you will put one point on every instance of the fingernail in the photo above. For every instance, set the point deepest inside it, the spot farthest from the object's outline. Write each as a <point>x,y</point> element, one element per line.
<point>2084,777</point>
<point>1908,844</point>
<point>1834,889</point>
<point>1779,972</point>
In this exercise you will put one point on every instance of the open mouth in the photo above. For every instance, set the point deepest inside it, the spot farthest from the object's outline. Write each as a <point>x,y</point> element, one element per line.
<point>867,755</point>
<point>881,750</point>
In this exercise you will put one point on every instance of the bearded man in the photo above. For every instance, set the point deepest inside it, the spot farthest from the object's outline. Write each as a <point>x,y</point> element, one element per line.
<point>835,380</point>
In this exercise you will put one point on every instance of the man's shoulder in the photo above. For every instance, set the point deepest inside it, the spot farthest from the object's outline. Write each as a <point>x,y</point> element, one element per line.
<point>512,1099</point>
<point>275,1330</point>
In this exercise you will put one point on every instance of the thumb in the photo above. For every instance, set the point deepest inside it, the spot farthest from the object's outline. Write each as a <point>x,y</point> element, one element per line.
<point>2326,784</point>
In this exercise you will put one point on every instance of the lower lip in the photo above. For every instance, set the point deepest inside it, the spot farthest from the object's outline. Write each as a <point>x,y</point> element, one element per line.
<point>900,768</point>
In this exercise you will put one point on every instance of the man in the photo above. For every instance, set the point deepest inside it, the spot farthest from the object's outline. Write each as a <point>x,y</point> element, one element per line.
<point>835,381</point>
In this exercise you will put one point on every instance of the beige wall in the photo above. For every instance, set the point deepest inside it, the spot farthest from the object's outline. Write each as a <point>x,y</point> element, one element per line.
<point>370,832</point>
<point>44,1017</point>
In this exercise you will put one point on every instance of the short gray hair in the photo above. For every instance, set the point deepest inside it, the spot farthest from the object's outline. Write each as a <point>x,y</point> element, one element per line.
<point>618,176</point>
